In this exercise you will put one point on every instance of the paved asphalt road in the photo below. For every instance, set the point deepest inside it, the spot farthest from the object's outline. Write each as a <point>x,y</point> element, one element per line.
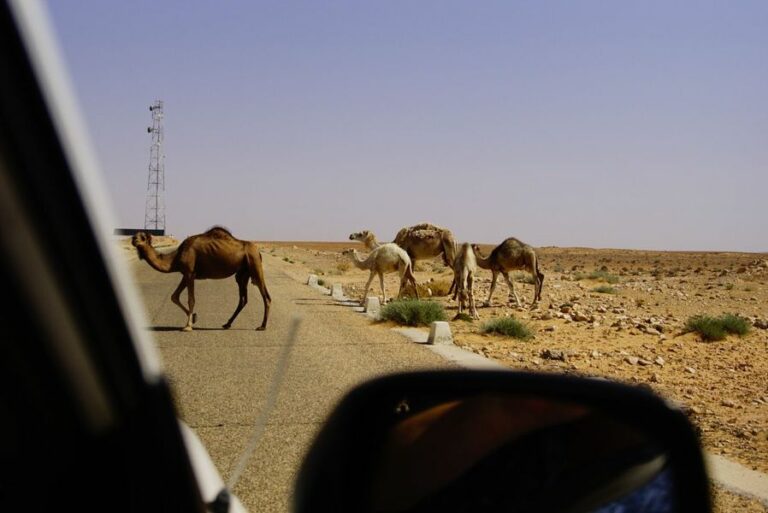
<point>220,377</point>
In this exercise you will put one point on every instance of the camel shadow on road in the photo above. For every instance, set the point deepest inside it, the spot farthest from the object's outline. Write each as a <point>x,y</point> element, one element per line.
<point>176,328</point>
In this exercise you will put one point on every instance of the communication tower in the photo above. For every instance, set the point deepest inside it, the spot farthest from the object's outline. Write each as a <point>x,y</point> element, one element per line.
<point>154,211</point>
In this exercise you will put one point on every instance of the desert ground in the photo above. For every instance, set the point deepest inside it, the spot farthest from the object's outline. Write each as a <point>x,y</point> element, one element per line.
<point>631,332</point>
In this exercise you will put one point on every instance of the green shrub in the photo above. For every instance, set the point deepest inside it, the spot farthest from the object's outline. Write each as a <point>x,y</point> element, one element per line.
<point>716,328</point>
<point>735,324</point>
<point>508,327</point>
<point>605,289</point>
<point>413,312</point>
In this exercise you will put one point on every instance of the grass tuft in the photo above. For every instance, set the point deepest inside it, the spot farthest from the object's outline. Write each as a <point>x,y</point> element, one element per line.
<point>605,289</point>
<point>463,316</point>
<point>508,327</point>
<point>716,328</point>
<point>599,276</point>
<point>413,312</point>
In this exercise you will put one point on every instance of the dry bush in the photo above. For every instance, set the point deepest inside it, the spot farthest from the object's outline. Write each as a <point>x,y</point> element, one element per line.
<point>438,287</point>
<point>343,267</point>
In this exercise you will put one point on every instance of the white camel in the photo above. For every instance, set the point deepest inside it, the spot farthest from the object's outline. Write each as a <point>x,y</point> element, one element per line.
<point>464,270</point>
<point>386,258</point>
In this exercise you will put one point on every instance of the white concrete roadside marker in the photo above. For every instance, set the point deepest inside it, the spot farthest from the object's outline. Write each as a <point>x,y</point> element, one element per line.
<point>337,292</point>
<point>440,333</point>
<point>312,280</point>
<point>372,307</point>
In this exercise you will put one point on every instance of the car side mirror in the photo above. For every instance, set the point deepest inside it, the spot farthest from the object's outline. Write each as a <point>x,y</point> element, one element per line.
<point>502,441</point>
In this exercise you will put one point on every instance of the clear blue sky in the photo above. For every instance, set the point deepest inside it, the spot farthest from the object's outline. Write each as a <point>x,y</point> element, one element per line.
<point>590,123</point>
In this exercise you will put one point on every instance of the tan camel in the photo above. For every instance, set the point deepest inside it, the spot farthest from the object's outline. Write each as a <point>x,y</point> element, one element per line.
<point>464,271</point>
<point>386,258</point>
<point>214,255</point>
<point>509,255</point>
<point>421,242</point>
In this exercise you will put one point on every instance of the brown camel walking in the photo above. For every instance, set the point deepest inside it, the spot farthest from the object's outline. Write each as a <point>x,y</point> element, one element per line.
<point>507,256</point>
<point>212,255</point>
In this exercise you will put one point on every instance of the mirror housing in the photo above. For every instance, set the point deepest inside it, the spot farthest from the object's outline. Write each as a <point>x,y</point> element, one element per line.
<point>501,441</point>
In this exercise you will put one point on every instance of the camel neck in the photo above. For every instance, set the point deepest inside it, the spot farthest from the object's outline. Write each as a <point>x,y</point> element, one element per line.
<point>162,262</point>
<point>359,263</point>
<point>371,242</point>
<point>482,262</point>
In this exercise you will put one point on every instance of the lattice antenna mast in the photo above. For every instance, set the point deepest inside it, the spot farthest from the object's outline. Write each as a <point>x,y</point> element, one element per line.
<point>154,210</point>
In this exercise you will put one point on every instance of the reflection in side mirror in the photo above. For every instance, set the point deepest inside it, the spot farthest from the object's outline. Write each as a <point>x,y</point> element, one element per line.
<point>512,453</point>
<point>492,442</point>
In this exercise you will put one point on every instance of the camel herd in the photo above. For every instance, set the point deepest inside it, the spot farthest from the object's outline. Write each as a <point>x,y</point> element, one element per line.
<point>217,254</point>
<point>425,240</point>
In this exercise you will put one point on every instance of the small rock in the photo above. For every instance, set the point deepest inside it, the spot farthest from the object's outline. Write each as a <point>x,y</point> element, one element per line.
<point>550,354</point>
<point>632,360</point>
<point>550,328</point>
<point>643,362</point>
<point>690,370</point>
<point>655,378</point>
<point>659,361</point>
<point>594,354</point>
<point>728,402</point>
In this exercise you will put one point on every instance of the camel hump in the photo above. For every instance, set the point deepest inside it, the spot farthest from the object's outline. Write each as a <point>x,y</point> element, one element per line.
<point>511,241</point>
<point>219,232</point>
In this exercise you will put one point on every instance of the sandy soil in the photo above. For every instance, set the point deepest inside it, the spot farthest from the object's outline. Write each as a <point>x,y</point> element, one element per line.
<point>633,335</point>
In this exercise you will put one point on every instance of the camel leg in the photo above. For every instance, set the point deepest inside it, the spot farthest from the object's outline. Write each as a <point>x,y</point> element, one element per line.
<point>257,278</point>
<point>242,286</point>
<point>536,289</point>
<point>412,279</point>
<point>470,287</point>
<point>266,299</point>
<point>383,292</point>
<point>405,278</point>
<point>175,297</point>
<point>367,285</point>
<point>453,289</point>
<point>191,302</point>
<point>511,287</point>
<point>539,284</point>
<point>493,286</point>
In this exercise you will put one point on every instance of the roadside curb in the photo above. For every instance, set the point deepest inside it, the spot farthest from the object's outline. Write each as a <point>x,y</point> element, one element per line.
<point>737,478</point>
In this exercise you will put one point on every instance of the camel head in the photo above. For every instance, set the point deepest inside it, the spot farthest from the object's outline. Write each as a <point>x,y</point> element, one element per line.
<point>360,236</point>
<point>476,249</point>
<point>140,241</point>
<point>349,251</point>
